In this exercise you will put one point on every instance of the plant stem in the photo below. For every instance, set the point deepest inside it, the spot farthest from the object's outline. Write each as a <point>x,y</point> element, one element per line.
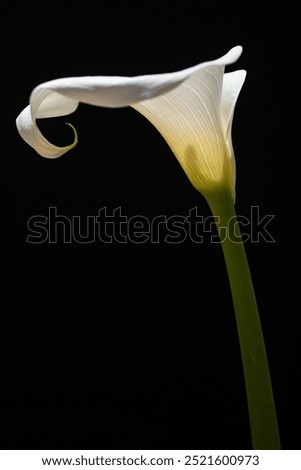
<point>261,406</point>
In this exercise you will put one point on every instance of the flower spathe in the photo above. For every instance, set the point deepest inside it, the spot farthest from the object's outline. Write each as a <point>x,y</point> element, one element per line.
<point>192,109</point>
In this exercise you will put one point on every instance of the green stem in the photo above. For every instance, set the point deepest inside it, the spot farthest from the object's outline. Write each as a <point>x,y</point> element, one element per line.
<point>261,406</point>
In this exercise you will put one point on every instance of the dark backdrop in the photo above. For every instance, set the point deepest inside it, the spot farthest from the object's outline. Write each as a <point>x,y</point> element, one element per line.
<point>126,345</point>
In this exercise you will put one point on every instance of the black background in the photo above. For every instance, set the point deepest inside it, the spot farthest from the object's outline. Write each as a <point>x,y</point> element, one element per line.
<point>128,346</point>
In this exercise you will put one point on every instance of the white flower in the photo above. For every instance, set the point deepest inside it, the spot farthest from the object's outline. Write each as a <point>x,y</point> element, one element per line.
<point>192,109</point>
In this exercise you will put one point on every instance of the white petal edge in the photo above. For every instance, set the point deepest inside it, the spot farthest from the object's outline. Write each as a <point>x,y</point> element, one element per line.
<point>232,84</point>
<point>61,97</point>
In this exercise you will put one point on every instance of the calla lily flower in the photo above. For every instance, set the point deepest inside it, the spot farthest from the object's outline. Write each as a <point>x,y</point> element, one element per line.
<point>192,109</point>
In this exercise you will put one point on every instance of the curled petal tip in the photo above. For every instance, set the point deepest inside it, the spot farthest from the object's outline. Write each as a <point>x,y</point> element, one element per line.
<point>75,142</point>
